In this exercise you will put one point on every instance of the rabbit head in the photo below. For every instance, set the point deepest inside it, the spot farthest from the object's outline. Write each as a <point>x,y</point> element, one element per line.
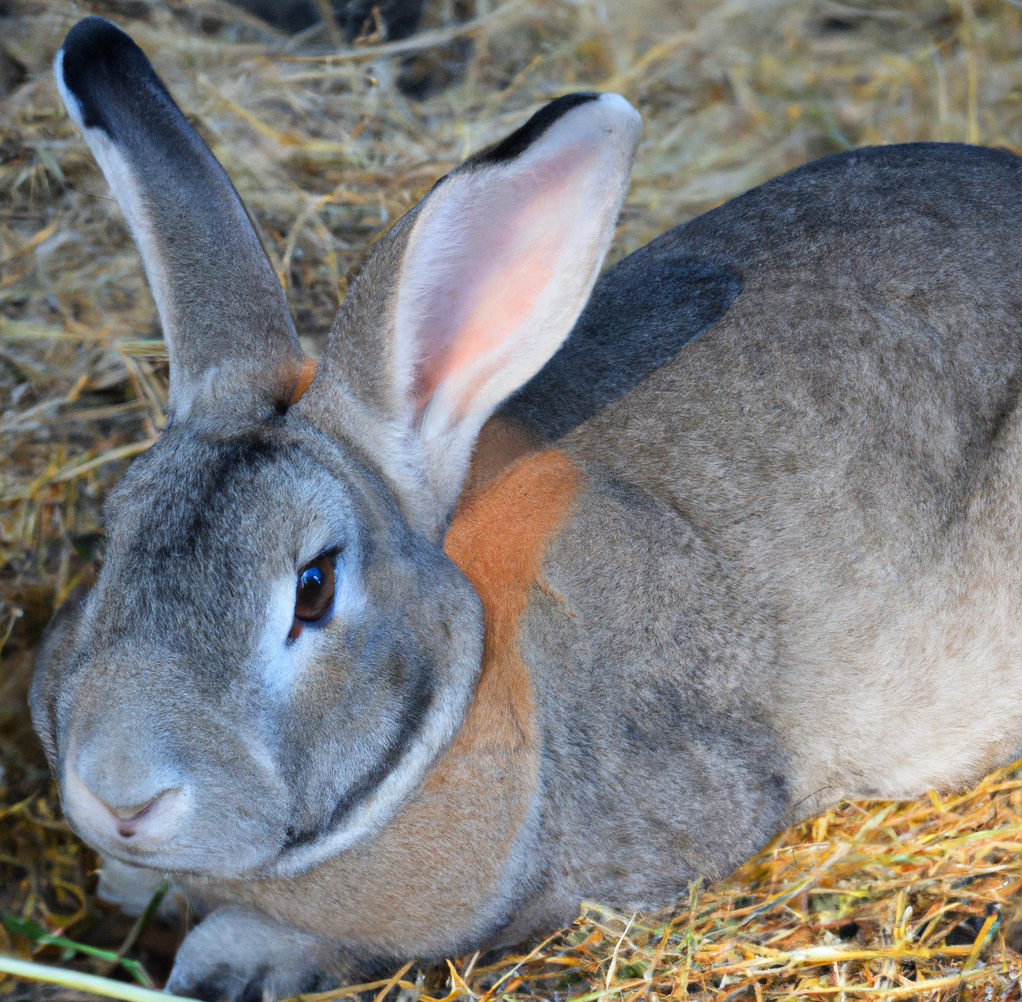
<point>277,648</point>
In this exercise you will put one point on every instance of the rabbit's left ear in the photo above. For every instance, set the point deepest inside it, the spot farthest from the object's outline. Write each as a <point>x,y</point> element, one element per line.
<point>231,339</point>
<point>496,264</point>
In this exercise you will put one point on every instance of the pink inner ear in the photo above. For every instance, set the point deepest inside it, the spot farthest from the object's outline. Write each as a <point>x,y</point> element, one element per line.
<point>481,265</point>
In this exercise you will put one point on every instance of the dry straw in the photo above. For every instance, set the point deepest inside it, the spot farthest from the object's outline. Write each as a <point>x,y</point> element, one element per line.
<point>868,901</point>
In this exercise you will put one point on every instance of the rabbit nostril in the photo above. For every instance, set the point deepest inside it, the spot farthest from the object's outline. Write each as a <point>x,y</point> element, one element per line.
<point>135,811</point>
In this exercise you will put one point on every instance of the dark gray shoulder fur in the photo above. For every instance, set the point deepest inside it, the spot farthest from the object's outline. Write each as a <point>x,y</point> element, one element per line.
<point>642,312</point>
<point>667,294</point>
<point>841,194</point>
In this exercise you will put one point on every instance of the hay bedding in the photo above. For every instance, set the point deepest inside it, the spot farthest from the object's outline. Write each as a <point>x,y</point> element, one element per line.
<point>900,901</point>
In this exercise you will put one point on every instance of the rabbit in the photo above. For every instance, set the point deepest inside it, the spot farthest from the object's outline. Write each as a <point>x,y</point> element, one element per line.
<point>745,539</point>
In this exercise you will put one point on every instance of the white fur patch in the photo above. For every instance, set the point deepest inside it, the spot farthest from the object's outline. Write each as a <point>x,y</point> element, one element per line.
<point>131,888</point>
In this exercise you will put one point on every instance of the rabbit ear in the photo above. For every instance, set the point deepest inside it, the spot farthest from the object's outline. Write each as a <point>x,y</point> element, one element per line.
<point>497,262</point>
<point>226,322</point>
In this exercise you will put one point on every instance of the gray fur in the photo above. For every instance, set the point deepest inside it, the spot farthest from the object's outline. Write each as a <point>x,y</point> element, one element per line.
<point>789,573</point>
<point>290,962</point>
<point>651,776</point>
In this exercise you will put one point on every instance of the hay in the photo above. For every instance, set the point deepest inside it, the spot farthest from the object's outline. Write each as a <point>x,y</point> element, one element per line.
<point>873,900</point>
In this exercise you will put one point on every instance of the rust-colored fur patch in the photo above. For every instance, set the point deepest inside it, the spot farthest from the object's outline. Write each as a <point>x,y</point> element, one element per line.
<point>499,540</point>
<point>422,884</point>
<point>306,374</point>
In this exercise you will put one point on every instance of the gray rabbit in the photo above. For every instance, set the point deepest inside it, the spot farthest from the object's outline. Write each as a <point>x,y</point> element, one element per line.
<point>368,705</point>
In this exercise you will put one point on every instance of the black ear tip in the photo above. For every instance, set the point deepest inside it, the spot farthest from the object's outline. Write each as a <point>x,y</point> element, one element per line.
<point>521,139</point>
<point>95,58</point>
<point>95,39</point>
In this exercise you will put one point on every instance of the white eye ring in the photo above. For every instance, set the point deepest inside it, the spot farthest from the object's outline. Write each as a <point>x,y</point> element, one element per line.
<point>285,654</point>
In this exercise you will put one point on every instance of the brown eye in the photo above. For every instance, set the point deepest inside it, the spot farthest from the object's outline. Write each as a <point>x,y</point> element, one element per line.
<point>315,592</point>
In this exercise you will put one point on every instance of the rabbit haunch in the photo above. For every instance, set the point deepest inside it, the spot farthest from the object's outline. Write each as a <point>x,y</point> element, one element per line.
<point>779,567</point>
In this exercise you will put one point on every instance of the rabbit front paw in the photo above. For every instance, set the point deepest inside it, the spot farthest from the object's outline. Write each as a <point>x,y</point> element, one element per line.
<point>240,955</point>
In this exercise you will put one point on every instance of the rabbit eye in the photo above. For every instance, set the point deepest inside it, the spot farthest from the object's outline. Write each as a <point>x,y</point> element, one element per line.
<point>315,592</point>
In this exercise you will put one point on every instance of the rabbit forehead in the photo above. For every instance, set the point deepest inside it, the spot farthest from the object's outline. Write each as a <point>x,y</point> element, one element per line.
<point>260,493</point>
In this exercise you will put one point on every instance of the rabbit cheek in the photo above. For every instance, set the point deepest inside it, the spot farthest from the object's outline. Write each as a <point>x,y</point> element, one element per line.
<point>55,668</point>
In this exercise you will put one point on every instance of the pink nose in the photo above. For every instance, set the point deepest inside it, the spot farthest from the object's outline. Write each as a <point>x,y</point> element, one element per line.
<point>145,824</point>
<point>131,818</point>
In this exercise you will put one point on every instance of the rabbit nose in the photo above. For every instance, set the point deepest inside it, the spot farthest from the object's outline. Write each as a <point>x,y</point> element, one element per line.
<point>151,815</point>
<point>119,798</point>
<point>149,821</point>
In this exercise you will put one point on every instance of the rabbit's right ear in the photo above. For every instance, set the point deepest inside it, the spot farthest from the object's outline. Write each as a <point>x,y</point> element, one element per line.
<point>229,333</point>
<point>473,291</point>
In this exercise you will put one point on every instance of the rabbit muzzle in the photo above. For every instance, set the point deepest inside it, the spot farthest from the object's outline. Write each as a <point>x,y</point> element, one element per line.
<point>132,794</point>
<point>149,782</point>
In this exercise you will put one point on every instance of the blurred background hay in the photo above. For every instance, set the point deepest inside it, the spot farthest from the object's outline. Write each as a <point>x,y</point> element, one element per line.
<point>330,135</point>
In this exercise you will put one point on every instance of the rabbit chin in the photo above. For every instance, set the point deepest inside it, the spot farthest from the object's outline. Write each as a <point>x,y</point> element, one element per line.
<point>172,835</point>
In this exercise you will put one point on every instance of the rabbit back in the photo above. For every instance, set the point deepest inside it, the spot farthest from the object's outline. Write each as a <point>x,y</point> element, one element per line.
<point>846,441</point>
